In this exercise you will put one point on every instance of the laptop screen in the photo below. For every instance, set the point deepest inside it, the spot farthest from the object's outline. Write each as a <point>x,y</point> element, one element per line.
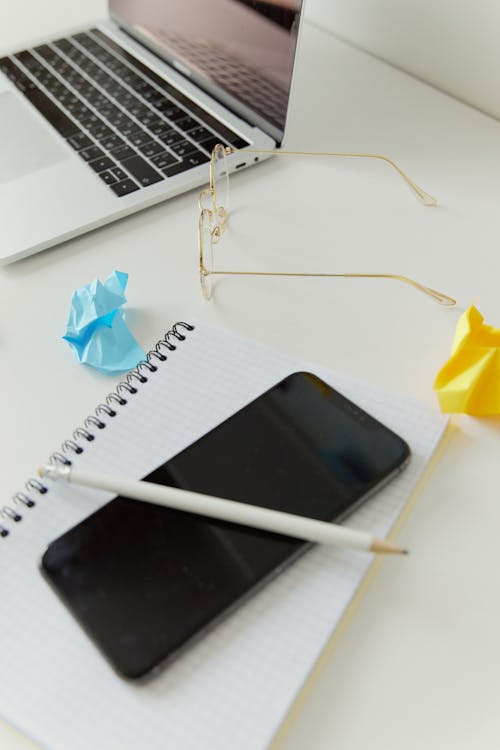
<point>241,51</point>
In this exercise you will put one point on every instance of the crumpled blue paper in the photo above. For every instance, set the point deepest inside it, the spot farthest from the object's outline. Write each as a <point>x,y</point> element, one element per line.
<point>96,329</point>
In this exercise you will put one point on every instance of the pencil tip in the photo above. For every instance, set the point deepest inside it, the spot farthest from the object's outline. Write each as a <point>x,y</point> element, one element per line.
<point>380,546</point>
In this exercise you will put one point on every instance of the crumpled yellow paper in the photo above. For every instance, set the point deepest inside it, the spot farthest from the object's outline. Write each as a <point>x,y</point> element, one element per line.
<point>469,382</point>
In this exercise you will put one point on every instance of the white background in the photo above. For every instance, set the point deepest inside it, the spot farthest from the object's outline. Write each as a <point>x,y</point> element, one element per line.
<point>418,665</point>
<point>453,44</point>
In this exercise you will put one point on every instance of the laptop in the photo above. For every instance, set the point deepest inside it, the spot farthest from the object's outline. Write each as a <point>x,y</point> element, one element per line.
<point>111,119</point>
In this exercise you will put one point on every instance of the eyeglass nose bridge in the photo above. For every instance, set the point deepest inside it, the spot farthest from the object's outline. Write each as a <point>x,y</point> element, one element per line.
<point>221,220</point>
<point>217,232</point>
<point>207,194</point>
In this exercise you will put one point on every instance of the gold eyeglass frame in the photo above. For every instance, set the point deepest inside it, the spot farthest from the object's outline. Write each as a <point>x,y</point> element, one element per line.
<point>217,215</point>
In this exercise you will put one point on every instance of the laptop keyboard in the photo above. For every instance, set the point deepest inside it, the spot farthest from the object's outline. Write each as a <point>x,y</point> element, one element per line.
<point>131,127</point>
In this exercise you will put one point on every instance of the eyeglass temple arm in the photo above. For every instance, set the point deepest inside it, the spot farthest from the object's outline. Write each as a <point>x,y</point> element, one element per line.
<point>422,195</point>
<point>439,297</point>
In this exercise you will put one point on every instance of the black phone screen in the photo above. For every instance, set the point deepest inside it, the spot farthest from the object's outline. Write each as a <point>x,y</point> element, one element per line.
<point>144,580</point>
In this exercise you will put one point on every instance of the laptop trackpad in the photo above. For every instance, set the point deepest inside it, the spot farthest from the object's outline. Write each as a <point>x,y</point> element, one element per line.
<point>25,146</point>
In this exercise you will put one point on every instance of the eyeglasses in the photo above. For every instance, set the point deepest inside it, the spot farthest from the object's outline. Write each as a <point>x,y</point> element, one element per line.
<point>214,201</point>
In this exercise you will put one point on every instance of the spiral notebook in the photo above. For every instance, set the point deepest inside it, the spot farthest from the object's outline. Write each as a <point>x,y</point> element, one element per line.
<point>234,687</point>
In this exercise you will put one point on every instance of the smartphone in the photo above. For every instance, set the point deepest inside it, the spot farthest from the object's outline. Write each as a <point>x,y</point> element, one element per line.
<point>146,581</point>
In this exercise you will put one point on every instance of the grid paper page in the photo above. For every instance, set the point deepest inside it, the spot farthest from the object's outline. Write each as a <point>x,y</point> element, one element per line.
<point>233,688</point>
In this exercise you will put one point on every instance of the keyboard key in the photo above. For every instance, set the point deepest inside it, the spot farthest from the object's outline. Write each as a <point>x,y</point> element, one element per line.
<point>151,148</point>
<point>191,161</point>
<point>127,100</point>
<point>187,123</point>
<point>100,131</point>
<point>116,117</point>
<point>138,108</point>
<point>111,142</point>
<point>158,126</point>
<point>239,143</point>
<point>75,54</point>
<point>63,44</point>
<point>210,144</point>
<point>124,187</point>
<point>148,118</point>
<point>174,113</point>
<point>84,39</point>
<point>127,128</point>
<point>108,177</point>
<point>91,120</point>
<point>45,51</point>
<point>92,152</point>
<point>142,171</point>
<point>119,93</point>
<point>125,152</point>
<point>78,141</point>
<point>131,78</point>
<point>118,173</point>
<point>92,94</point>
<point>149,92</point>
<point>82,113</point>
<point>29,61</point>
<point>108,110</point>
<point>183,148</point>
<point>63,96</point>
<point>200,134</point>
<point>197,158</point>
<point>140,138</point>
<point>163,160</point>
<point>171,136</point>
<point>181,166</point>
<point>99,165</point>
<point>77,110</point>
<point>13,73</point>
<point>61,93</point>
<point>170,110</point>
<point>63,68</point>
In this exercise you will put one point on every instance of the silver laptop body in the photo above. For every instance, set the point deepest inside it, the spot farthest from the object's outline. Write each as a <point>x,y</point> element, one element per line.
<point>111,119</point>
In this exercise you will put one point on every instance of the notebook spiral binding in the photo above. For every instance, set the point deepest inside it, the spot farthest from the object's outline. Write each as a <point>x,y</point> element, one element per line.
<point>95,422</point>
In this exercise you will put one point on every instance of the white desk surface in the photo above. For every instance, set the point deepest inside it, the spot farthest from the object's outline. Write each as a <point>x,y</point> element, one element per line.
<point>418,665</point>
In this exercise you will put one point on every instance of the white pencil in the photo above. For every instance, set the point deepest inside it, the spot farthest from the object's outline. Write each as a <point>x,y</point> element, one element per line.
<point>225,510</point>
